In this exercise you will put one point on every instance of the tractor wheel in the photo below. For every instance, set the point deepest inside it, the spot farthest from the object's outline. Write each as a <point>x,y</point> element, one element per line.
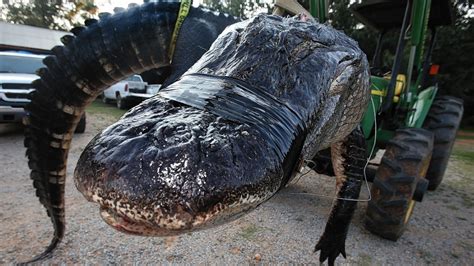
<point>398,182</point>
<point>81,126</point>
<point>443,120</point>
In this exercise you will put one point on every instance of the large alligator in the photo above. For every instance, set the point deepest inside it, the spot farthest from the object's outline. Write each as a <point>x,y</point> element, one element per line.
<point>233,130</point>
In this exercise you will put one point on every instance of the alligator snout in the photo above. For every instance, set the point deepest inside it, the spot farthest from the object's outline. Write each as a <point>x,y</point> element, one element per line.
<point>155,176</point>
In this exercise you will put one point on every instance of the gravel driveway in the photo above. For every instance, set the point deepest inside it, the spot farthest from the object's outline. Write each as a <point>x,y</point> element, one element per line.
<point>282,230</point>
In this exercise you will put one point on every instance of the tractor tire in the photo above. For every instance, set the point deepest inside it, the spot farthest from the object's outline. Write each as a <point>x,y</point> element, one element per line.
<point>443,120</point>
<point>81,126</point>
<point>398,182</point>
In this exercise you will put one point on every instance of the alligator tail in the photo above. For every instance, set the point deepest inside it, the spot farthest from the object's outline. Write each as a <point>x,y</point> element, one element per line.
<point>99,55</point>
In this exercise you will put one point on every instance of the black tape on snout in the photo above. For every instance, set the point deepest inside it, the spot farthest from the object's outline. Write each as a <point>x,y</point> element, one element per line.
<point>238,101</point>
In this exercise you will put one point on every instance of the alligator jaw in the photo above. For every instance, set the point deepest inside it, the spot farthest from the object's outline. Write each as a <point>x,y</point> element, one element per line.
<point>124,224</point>
<point>162,224</point>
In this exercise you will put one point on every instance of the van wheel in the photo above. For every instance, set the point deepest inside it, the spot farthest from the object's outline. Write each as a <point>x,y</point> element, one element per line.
<point>121,103</point>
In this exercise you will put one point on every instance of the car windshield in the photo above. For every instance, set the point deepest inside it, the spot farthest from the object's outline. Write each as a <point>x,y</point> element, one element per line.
<point>20,64</point>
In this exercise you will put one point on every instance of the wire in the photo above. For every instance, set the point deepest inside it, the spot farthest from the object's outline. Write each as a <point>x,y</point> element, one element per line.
<point>307,172</point>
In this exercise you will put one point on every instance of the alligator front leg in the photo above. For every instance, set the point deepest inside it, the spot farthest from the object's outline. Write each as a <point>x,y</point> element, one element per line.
<point>348,159</point>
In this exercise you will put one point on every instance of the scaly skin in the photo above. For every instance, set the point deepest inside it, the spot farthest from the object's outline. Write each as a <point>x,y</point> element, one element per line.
<point>231,132</point>
<point>269,93</point>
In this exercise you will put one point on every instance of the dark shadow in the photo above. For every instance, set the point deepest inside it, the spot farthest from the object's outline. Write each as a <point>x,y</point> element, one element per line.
<point>11,129</point>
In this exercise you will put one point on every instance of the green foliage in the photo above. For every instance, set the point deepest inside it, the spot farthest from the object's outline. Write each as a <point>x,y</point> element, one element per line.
<point>341,18</point>
<point>104,110</point>
<point>466,155</point>
<point>39,13</point>
<point>52,14</point>
<point>454,55</point>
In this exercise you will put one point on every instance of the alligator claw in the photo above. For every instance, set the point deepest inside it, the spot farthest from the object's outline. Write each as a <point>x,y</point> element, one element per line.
<point>331,246</point>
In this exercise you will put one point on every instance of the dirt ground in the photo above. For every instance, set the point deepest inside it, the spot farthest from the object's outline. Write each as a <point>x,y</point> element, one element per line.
<point>282,230</point>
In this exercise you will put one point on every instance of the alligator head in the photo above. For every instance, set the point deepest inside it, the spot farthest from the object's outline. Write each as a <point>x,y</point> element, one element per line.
<point>231,132</point>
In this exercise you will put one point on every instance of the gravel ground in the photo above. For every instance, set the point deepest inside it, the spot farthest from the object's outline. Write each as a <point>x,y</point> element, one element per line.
<point>282,230</point>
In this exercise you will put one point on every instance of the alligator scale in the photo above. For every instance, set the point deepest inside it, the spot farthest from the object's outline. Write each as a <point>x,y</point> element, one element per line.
<point>225,137</point>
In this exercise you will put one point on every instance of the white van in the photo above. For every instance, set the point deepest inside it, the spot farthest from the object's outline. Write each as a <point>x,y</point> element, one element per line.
<point>17,72</point>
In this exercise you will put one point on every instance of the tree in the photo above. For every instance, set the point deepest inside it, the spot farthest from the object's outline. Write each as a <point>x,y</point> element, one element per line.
<point>52,14</point>
<point>80,11</point>
<point>453,54</point>
<point>39,13</point>
<point>239,8</point>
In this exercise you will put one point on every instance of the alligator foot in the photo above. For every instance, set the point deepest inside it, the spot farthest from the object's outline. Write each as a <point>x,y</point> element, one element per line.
<point>331,245</point>
<point>348,160</point>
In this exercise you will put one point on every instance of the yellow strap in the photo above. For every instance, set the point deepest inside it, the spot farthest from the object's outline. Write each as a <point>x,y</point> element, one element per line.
<point>183,13</point>
<point>377,92</point>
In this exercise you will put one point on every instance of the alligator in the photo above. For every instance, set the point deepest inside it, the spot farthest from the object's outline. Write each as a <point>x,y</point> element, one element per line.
<point>225,137</point>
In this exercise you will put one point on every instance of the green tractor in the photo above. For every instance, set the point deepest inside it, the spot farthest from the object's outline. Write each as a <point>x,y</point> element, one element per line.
<point>406,116</point>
